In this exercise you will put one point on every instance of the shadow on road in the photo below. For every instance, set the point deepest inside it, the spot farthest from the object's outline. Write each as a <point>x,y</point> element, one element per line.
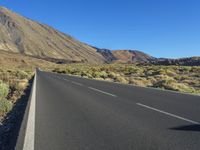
<point>193,127</point>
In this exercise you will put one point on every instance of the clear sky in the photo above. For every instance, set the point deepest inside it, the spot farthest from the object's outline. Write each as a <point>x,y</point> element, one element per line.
<point>161,28</point>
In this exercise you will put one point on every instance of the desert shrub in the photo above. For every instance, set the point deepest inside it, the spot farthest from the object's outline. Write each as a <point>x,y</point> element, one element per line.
<point>197,75</point>
<point>121,79</point>
<point>5,76</point>
<point>195,69</point>
<point>190,82</point>
<point>12,84</point>
<point>160,72</point>
<point>163,77</point>
<point>112,75</point>
<point>99,79</point>
<point>172,85</point>
<point>167,77</point>
<point>20,74</point>
<point>96,74</point>
<point>94,69</point>
<point>21,85</point>
<point>178,77</point>
<point>181,87</point>
<point>68,70</point>
<point>109,79</point>
<point>170,73</point>
<point>151,80</point>
<point>5,106</point>
<point>76,71</point>
<point>139,81</point>
<point>183,77</point>
<point>149,72</point>
<point>184,69</point>
<point>57,70</point>
<point>163,83</point>
<point>4,90</point>
<point>84,73</point>
<point>103,74</point>
<point>89,74</point>
<point>129,70</point>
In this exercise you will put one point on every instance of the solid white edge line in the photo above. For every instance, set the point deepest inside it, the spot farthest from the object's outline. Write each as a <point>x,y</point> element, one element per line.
<point>102,91</point>
<point>29,139</point>
<point>169,114</point>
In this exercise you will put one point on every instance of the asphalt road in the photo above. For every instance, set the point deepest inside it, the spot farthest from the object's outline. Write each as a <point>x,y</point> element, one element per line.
<point>74,113</point>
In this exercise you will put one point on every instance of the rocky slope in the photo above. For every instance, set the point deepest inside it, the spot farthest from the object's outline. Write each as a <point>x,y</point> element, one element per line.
<point>10,60</point>
<point>125,56</point>
<point>131,56</point>
<point>22,35</point>
<point>107,54</point>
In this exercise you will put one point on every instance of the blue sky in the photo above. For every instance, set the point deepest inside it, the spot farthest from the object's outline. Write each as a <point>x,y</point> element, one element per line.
<point>161,28</point>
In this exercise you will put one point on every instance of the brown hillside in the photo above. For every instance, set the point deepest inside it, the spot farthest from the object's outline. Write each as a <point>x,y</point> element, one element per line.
<point>131,56</point>
<point>18,61</point>
<point>22,35</point>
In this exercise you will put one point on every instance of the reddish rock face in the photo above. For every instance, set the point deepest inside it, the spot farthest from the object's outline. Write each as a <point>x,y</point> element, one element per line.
<point>131,56</point>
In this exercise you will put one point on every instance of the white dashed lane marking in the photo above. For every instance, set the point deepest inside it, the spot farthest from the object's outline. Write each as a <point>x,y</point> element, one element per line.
<point>102,91</point>
<point>169,114</point>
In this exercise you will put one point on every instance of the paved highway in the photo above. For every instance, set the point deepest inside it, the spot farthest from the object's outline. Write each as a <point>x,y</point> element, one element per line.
<point>73,113</point>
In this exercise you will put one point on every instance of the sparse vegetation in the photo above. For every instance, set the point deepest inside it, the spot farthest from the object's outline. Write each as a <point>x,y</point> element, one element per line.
<point>4,89</point>
<point>177,78</point>
<point>5,106</point>
<point>12,85</point>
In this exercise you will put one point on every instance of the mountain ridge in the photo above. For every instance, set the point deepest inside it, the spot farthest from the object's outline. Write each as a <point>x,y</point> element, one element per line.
<point>22,35</point>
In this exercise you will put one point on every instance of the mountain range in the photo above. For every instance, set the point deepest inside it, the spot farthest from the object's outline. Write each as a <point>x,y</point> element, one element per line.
<point>24,36</point>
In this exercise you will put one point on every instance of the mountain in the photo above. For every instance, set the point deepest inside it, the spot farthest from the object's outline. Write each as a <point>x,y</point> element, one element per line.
<point>30,38</point>
<point>190,61</point>
<point>131,56</point>
<point>21,35</point>
<point>107,54</point>
<point>125,56</point>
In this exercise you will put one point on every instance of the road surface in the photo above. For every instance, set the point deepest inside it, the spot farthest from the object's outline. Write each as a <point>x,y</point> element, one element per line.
<point>73,113</point>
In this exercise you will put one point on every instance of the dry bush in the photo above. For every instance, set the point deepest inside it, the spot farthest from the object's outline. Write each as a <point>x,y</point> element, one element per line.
<point>121,79</point>
<point>140,81</point>
<point>12,85</point>
<point>178,78</point>
<point>4,90</point>
<point>5,106</point>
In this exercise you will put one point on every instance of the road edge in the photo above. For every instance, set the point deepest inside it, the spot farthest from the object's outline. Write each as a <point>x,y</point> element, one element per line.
<point>29,139</point>
<point>26,138</point>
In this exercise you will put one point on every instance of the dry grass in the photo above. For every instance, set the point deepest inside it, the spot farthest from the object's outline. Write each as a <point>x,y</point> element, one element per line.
<point>22,62</point>
<point>176,78</point>
<point>15,72</point>
<point>12,85</point>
